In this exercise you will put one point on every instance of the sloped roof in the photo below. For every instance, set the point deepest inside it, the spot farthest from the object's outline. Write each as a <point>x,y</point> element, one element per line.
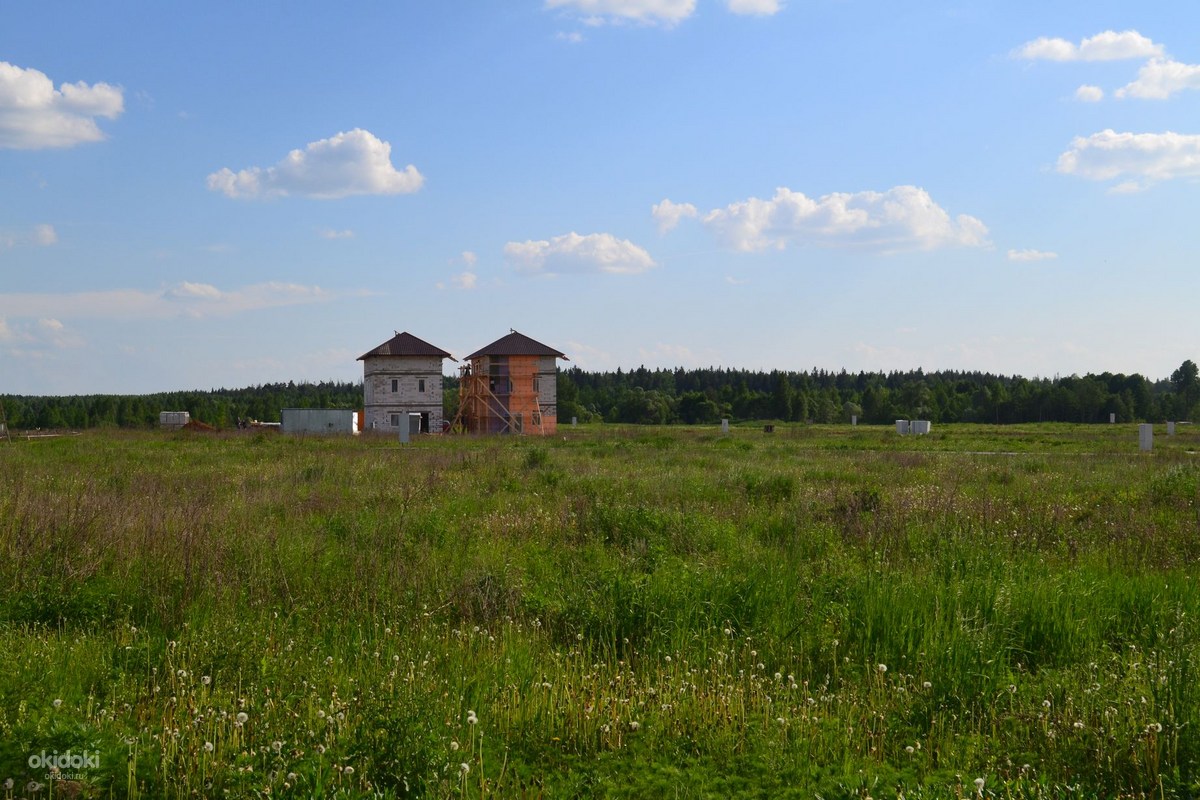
<point>405,344</point>
<point>516,344</point>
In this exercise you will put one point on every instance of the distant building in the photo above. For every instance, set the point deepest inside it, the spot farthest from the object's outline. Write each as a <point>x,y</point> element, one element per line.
<point>402,376</point>
<point>510,386</point>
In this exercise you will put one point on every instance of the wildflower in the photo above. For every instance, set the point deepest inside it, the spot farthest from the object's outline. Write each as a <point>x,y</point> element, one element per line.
<point>882,667</point>
<point>633,726</point>
<point>1045,704</point>
<point>291,777</point>
<point>464,768</point>
<point>546,684</point>
<point>1012,688</point>
<point>728,632</point>
<point>321,749</point>
<point>208,747</point>
<point>979,786</point>
<point>276,746</point>
<point>57,703</point>
<point>348,771</point>
<point>909,750</point>
<point>1154,726</point>
<point>33,787</point>
<point>453,746</point>
<point>8,784</point>
<point>668,659</point>
<point>927,685</point>
<point>1078,725</point>
<point>471,718</point>
<point>242,717</point>
<point>781,720</point>
<point>206,680</point>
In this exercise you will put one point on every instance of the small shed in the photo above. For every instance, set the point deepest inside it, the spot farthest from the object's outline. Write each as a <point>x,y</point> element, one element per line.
<point>173,420</point>
<point>323,421</point>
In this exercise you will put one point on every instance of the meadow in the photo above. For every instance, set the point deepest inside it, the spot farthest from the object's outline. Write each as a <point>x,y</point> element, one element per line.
<point>825,611</point>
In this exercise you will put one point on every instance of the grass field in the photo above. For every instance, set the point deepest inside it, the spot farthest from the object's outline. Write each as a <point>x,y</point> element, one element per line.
<point>827,612</point>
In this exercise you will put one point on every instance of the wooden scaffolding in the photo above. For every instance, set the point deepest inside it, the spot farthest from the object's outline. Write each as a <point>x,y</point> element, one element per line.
<point>499,394</point>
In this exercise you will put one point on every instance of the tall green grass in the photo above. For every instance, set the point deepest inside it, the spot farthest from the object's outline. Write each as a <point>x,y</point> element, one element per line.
<point>621,612</point>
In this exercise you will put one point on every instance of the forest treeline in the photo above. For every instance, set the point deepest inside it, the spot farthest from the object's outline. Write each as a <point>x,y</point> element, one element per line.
<point>706,395</point>
<point>664,396</point>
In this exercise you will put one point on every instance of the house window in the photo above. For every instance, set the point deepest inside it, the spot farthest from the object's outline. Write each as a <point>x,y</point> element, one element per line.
<point>537,385</point>
<point>395,385</point>
<point>395,420</point>
<point>421,385</point>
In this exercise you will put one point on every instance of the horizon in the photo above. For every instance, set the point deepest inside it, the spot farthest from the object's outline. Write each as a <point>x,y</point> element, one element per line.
<point>253,194</point>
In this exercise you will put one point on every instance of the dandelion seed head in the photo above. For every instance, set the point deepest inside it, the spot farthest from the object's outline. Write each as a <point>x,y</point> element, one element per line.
<point>464,768</point>
<point>208,747</point>
<point>882,667</point>
<point>242,717</point>
<point>57,703</point>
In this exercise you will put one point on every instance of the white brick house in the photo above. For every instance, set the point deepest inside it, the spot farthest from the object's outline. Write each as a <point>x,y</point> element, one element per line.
<point>402,376</point>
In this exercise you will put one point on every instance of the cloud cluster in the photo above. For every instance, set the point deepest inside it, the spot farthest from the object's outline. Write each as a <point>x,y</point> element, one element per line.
<point>186,299</point>
<point>1030,255</point>
<point>35,116</point>
<point>1106,46</point>
<point>668,214</point>
<point>351,163</point>
<point>573,253</point>
<point>664,13</point>
<point>1109,155</point>
<point>39,236</point>
<point>1159,78</point>
<point>902,218</point>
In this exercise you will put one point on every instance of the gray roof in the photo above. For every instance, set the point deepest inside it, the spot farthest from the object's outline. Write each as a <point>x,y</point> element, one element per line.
<point>516,344</point>
<point>405,344</point>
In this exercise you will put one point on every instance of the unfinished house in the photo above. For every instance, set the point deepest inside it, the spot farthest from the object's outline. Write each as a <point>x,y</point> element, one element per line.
<point>510,386</point>
<point>402,376</point>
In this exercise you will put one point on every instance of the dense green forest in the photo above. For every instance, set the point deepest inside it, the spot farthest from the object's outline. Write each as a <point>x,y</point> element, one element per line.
<point>664,396</point>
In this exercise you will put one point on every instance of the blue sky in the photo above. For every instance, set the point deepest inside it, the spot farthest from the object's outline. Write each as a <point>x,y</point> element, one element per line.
<point>227,194</point>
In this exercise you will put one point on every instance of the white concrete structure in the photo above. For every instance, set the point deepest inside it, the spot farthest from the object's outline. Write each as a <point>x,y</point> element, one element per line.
<point>920,427</point>
<point>402,376</point>
<point>1170,429</point>
<point>1145,436</point>
<point>902,426</point>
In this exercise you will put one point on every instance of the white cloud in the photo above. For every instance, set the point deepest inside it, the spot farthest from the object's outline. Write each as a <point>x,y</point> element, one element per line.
<point>668,214</point>
<point>39,236</point>
<point>736,281</point>
<point>1134,156</point>
<point>761,8</point>
<point>1030,255</point>
<point>648,12</point>
<point>1160,78</point>
<point>902,218</point>
<point>464,280</point>
<point>595,252</point>
<point>6,333</point>
<point>1089,94</point>
<point>1127,187</point>
<point>573,37</point>
<point>185,299</point>
<point>469,258</point>
<point>35,116</point>
<point>329,233</point>
<point>1106,46</point>
<point>350,163</point>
